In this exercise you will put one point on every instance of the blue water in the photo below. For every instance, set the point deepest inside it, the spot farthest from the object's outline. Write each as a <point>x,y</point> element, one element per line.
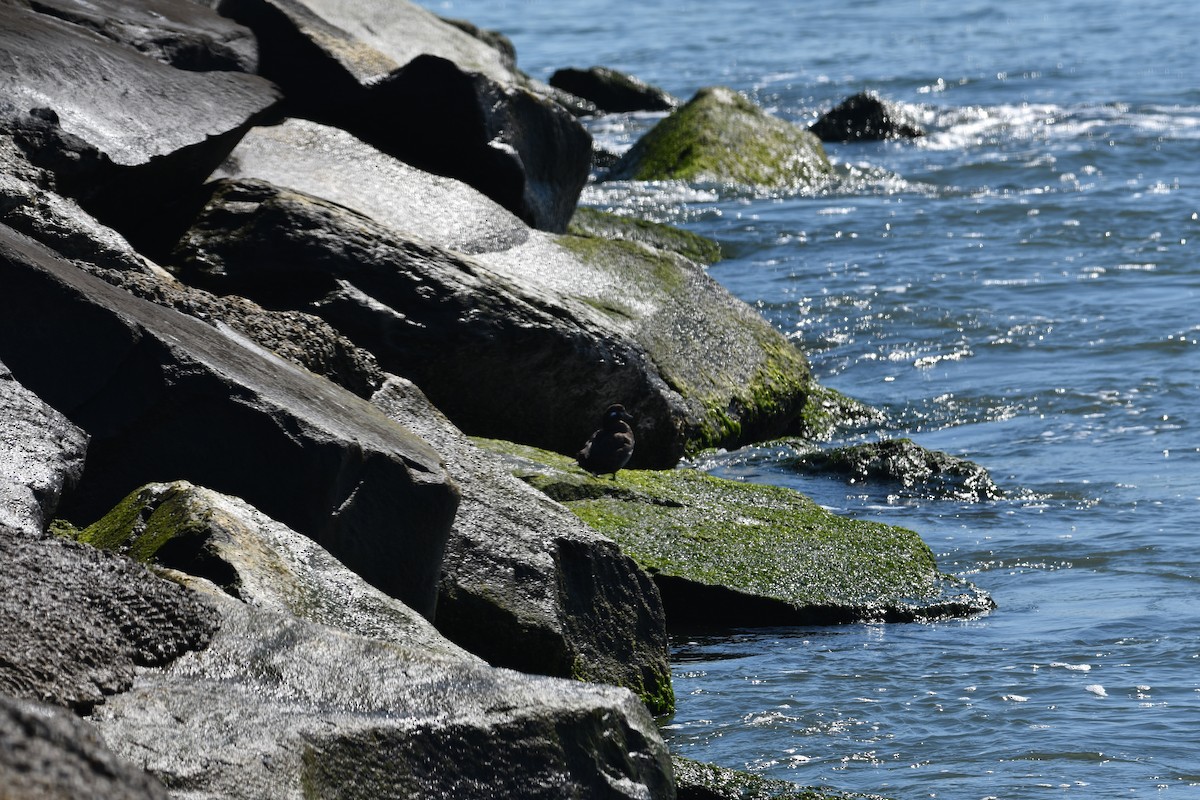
<point>1022,288</point>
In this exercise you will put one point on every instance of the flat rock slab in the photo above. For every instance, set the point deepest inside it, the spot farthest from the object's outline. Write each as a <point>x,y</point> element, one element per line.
<point>41,455</point>
<point>76,622</point>
<point>46,752</point>
<point>526,584</point>
<point>334,165</point>
<point>181,33</point>
<point>721,137</point>
<point>250,556</point>
<point>163,394</point>
<point>280,708</point>
<point>732,553</point>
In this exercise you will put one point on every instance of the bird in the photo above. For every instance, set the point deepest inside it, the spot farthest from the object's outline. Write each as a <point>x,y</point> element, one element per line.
<point>609,448</point>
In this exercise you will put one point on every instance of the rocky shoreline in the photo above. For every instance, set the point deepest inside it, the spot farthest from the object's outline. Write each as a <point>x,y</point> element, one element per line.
<point>298,317</point>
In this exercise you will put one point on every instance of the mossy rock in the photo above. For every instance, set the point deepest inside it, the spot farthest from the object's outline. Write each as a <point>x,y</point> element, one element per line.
<point>721,137</point>
<point>597,224</point>
<point>728,553</point>
<point>907,465</point>
<point>697,781</point>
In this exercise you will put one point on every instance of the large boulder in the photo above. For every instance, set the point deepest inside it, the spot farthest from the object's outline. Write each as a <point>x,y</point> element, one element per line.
<point>47,753</point>
<point>612,91</point>
<point>528,586</point>
<point>166,396</point>
<point>77,623</point>
<point>740,554</point>
<point>453,107</point>
<point>190,529</point>
<point>41,455</point>
<point>182,33</point>
<point>124,134</point>
<point>721,137</point>
<point>866,117</point>
<point>277,707</point>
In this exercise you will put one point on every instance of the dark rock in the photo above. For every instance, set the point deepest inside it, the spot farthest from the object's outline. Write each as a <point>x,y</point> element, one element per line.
<point>697,781</point>
<point>270,710</point>
<point>196,531</point>
<point>596,224</point>
<point>729,553</point>
<point>452,105</point>
<point>721,137</point>
<point>47,753</point>
<point>75,622</point>
<point>125,135</point>
<point>162,394</point>
<point>41,456</point>
<point>612,91</point>
<point>866,117</point>
<point>526,585</point>
<point>904,463</point>
<point>181,33</point>
<point>493,39</point>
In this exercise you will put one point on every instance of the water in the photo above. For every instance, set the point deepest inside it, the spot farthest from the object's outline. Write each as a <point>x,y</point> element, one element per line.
<point>1020,288</point>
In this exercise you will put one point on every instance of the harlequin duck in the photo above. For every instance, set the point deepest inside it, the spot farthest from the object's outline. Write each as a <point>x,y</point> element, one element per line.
<point>609,448</point>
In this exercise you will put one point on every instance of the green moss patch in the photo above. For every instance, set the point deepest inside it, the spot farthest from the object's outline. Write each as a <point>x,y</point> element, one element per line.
<point>596,224</point>
<point>727,552</point>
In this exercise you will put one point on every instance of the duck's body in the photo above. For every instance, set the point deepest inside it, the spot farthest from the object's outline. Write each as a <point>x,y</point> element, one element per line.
<point>610,447</point>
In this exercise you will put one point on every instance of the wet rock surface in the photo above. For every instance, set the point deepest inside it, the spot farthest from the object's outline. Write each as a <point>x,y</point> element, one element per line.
<point>866,117</point>
<point>612,91</point>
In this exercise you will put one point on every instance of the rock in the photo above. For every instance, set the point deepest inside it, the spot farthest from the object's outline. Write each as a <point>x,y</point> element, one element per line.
<point>697,781</point>
<point>721,137</point>
<point>612,91</point>
<point>866,117</point>
<point>729,553</point>
<point>454,107</point>
<point>528,586</point>
<point>918,471</point>
<point>76,622</point>
<point>41,456</point>
<point>162,394</point>
<point>271,710</point>
<point>49,753</point>
<point>595,224</point>
<point>181,33</point>
<point>334,165</point>
<point>125,135</point>
<point>493,39</point>
<point>259,561</point>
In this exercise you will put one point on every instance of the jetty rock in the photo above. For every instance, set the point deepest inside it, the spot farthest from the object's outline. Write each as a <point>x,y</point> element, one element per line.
<point>866,117</point>
<point>611,91</point>
<point>453,105</point>
<point>721,137</point>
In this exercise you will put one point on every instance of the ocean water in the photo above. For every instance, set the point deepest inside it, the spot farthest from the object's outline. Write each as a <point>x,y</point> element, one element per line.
<point>1021,288</point>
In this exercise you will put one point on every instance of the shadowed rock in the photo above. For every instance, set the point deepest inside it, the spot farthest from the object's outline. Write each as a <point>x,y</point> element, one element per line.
<point>721,137</point>
<point>866,117</point>
<point>162,394</point>
<point>612,91</point>
<point>181,33</point>
<point>526,585</point>
<point>453,107</point>
<point>76,622</point>
<point>48,753</point>
<point>125,135</point>
<point>41,456</point>
<point>269,710</point>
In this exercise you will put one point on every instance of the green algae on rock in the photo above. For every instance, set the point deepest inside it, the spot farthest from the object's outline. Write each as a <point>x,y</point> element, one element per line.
<point>731,553</point>
<point>597,224</point>
<point>721,137</point>
<point>698,781</point>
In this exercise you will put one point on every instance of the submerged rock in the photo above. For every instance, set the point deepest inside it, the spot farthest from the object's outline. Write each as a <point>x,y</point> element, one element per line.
<point>41,456</point>
<point>612,91</point>
<point>76,623</point>
<point>731,553</point>
<point>49,753</point>
<point>697,781</point>
<point>162,394</point>
<point>904,462</point>
<point>277,707</point>
<point>721,137</point>
<point>453,106</point>
<point>526,584</point>
<point>866,117</point>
